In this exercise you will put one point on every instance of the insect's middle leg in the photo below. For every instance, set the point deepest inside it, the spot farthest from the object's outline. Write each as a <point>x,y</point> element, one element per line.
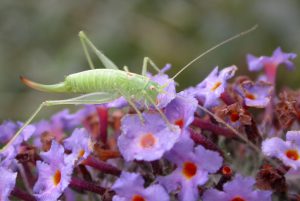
<point>147,61</point>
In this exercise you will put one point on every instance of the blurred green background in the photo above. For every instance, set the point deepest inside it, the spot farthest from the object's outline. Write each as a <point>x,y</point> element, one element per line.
<point>38,39</point>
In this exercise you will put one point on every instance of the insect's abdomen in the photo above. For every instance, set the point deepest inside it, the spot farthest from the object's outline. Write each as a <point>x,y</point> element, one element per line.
<point>105,80</point>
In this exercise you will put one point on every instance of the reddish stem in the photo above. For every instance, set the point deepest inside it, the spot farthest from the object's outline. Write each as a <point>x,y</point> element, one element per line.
<point>87,186</point>
<point>204,141</point>
<point>103,122</point>
<point>22,195</point>
<point>206,125</point>
<point>226,98</point>
<point>101,166</point>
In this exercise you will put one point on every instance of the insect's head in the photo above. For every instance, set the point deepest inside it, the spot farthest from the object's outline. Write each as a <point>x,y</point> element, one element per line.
<point>153,89</point>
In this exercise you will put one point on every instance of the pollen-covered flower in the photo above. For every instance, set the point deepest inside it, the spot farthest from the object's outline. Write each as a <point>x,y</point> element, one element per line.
<point>54,173</point>
<point>130,187</point>
<point>214,85</point>
<point>239,189</point>
<point>53,129</point>
<point>146,141</point>
<point>193,168</point>
<point>255,94</point>
<point>180,111</point>
<point>7,183</point>
<point>233,114</point>
<point>287,151</point>
<point>270,64</point>
<point>78,143</point>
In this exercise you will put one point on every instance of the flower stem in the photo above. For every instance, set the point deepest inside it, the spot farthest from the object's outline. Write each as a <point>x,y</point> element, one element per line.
<point>204,141</point>
<point>101,166</point>
<point>16,192</point>
<point>87,186</point>
<point>206,125</point>
<point>103,123</point>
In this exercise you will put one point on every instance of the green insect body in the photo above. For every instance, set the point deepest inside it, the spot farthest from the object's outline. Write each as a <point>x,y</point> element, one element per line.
<point>117,83</point>
<point>105,85</point>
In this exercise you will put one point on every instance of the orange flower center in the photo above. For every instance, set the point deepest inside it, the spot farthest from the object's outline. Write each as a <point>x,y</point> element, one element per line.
<point>292,154</point>
<point>56,177</point>
<point>189,169</point>
<point>250,96</point>
<point>234,116</point>
<point>137,198</point>
<point>148,140</point>
<point>238,198</point>
<point>81,153</point>
<point>216,85</point>
<point>179,122</point>
<point>226,170</point>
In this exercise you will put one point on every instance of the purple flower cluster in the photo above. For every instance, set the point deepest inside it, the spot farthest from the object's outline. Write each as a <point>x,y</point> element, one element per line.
<point>178,153</point>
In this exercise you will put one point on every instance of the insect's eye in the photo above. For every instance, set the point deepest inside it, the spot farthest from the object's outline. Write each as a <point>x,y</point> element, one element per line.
<point>152,87</point>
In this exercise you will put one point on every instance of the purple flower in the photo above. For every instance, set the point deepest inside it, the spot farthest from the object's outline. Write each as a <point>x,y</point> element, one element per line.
<point>180,111</point>
<point>56,127</point>
<point>130,187</point>
<point>169,91</point>
<point>78,143</point>
<point>256,94</point>
<point>146,141</point>
<point>8,129</point>
<point>7,183</point>
<point>287,151</point>
<point>239,189</point>
<point>54,173</point>
<point>214,85</point>
<point>7,157</point>
<point>270,64</point>
<point>193,168</point>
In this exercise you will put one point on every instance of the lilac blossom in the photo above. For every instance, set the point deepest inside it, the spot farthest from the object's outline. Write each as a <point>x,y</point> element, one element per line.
<point>239,189</point>
<point>180,111</point>
<point>214,85</point>
<point>256,94</point>
<point>194,164</point>
<point>54,173</point>
<point>8,129</point>
<point>7,157</point>
<point>287,151</point>
<point>169,92</point>
<point>78,143</point>
<point>7,183</point>
<point>270,64</point>
<point>130,187</point>
<point>56,126</point>
<point>146,141</point>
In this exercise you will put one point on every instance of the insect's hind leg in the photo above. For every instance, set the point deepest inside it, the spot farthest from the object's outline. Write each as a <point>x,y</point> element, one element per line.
<point>97,98</point>
<point>23,126</point>
<point>104,59</point>
<point>147,61</point>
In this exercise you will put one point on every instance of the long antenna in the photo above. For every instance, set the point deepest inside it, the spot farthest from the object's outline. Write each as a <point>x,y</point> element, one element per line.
<point>215,47</point>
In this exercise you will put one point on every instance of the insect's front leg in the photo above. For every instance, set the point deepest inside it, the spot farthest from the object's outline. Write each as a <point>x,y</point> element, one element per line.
<point>158,109</point>
<point>147,61</point>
